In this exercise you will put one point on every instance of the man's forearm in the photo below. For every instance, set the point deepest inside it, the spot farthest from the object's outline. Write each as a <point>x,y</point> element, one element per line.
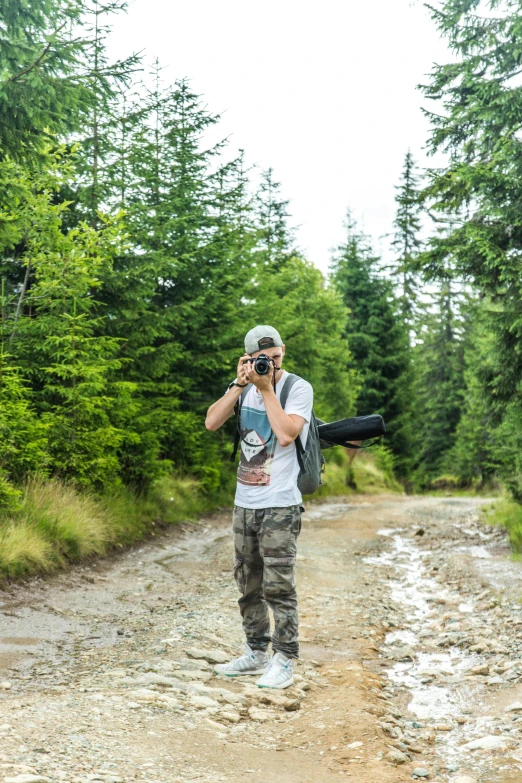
<point>222,410</point>
<point>285,428</point>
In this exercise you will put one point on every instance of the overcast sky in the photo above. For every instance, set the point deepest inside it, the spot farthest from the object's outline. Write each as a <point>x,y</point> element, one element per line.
<point>324,93</point>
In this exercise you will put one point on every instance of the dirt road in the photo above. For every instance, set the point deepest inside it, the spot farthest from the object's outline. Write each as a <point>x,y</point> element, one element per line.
<point>411,658</point>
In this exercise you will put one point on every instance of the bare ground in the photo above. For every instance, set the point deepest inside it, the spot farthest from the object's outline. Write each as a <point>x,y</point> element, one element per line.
<point>411,646</point>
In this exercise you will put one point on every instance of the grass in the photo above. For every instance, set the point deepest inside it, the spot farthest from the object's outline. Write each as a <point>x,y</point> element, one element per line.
<point>508,513</point>
<point>54,524</point>
<point>369,473</point>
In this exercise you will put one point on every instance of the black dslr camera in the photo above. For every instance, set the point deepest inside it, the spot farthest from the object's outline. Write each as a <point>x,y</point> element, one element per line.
<point>262,364</point>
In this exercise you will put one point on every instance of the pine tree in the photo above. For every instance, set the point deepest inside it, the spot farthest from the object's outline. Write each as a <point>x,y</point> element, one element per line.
<point>375,333</point>
<point>53,331</point>
<point>478,126</point>
<point>41,66</point>
<point>438,387</point>
<point>406,242</point>
<point>275,238</point>
<point>176,296</point>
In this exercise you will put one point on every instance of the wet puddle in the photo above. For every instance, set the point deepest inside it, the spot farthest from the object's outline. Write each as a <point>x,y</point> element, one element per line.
<point>440,684</point>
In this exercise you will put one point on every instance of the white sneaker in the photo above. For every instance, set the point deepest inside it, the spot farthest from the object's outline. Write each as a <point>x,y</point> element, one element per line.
<point>251,662</point>
<point>279,674</point>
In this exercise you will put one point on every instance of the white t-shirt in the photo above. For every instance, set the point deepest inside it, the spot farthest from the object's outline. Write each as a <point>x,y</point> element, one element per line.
<point>267,472</point>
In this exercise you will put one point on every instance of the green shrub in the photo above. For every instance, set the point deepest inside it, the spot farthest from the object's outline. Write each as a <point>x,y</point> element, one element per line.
<point>508,513</point>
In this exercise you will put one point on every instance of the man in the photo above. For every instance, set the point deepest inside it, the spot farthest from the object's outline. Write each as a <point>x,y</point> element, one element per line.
<point>267,511</point>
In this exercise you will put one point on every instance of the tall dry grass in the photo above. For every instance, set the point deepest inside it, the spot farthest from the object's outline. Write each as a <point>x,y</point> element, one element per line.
<point>56,524</point>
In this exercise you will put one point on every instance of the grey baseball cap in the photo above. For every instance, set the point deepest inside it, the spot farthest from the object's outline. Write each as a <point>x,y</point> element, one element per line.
<point>261,337</point>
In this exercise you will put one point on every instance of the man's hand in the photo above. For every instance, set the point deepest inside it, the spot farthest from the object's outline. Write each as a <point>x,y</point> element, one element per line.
<point>264,383</point>
<point>241,370</point>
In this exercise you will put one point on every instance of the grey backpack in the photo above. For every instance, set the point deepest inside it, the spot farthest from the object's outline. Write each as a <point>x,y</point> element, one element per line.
<point>309,457</point>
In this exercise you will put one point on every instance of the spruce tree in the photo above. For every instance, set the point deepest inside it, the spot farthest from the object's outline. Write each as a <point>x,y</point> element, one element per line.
<point>438,387</point>
<point>406,241</point>
<point>481,184</point>
<point>176,295</point>
<point>275,237</point>
<point>41,66</point>
<point>375,333</point>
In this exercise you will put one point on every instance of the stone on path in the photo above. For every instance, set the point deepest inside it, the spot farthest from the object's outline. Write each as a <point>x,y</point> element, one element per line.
<point>420,772</point>
<point>465,779</point>
<point>396,757</point>
<point>515,707</point>
<point>25,778</point>
<point>490,742</point>
<point>483,669</point>
<point>260,715</point>
<point>211,656</point>
<point>202,702</point>
<point>233,717</point>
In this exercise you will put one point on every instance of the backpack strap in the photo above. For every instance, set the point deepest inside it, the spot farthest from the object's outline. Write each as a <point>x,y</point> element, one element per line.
<point>237,409</point>
<point>287,387</point>
<point>285,392</point>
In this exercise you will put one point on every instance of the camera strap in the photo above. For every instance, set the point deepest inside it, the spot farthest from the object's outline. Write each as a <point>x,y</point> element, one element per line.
<point>238,406</point>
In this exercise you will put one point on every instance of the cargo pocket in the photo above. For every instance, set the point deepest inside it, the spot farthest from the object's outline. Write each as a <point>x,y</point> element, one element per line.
<point>239,574</point>
<point>279,575</point>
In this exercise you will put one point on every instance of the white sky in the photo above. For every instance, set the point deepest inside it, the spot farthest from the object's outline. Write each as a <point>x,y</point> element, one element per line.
<point>325,93</point>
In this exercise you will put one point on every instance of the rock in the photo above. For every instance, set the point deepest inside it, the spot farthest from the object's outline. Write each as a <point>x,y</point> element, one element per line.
<point>194,675</point>
<point>260,715</point>
<point>355,745</point>
<point>483,669</point>
<point>420,772</point>
<point>515,707</point>
<point>27,779</point>
<point>232,717</point>
<point>444,727</point>
<point>465,779</point>
<point>396,757</point>
<point>5,685</point>
<point>496,680</point>
<point>144,695</point>
<point>202,702</point>
<point>211,656</point>
<point>157,679</point>
<point>169,701</point>
<point>490,742</point>
<point>290,705</point>
<point>402,654</point>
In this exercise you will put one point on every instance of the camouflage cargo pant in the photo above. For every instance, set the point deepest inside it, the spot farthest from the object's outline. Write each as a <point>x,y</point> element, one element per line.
<point>265,542</point>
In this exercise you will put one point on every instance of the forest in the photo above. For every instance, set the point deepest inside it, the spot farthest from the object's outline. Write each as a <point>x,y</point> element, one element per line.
<point>135,253</point>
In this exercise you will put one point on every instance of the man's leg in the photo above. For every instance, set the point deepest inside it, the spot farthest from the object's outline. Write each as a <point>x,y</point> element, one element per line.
<point>278,547</point>
<point>248,571</point>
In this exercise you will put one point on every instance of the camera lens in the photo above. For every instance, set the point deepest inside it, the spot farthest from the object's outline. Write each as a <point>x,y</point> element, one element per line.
<point>262,366</point>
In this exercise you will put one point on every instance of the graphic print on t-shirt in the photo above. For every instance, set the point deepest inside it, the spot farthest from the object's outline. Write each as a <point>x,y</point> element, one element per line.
<point>258,444</point>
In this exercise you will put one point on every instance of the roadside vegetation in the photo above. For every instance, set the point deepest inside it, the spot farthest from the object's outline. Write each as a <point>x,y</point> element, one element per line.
<point>507,513</point>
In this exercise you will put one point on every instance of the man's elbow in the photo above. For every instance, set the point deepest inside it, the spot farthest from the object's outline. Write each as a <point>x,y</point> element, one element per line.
<point>211,424</point>
<point>286,440</point>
